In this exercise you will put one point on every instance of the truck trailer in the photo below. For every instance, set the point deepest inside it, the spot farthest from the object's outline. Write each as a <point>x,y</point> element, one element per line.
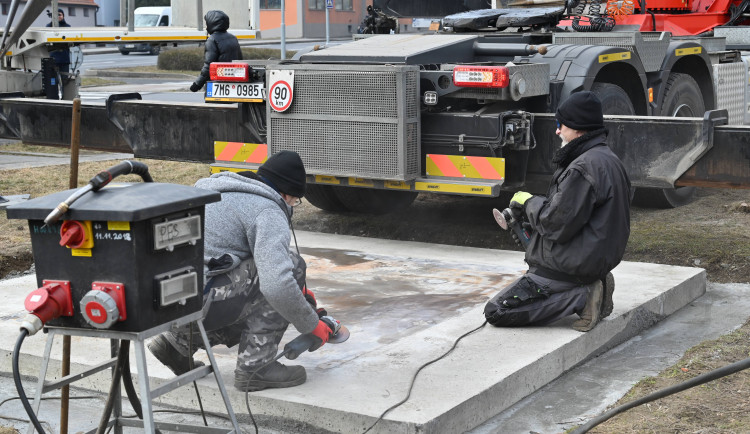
<point>466,110</point>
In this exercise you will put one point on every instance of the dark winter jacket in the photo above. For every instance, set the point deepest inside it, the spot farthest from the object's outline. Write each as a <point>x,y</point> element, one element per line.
<point>61,56</point>
<point>220,45</point>
<point>582,227</point>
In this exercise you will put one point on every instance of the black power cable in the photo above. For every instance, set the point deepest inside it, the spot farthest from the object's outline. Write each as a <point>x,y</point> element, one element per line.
<point>414,379</point>
<point>19,386</point>
<point>697,381</point>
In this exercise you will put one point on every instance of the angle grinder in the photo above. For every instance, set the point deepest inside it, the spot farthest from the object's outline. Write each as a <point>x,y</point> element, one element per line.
<point>302,343</point>
<point>510,219</point>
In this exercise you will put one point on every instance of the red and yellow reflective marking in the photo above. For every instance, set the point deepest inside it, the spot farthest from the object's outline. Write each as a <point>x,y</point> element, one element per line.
<point>459,166</point>
<point>240,152</point>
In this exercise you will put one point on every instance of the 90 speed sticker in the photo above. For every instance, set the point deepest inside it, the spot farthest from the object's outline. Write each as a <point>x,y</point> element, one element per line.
<point>280,93</point>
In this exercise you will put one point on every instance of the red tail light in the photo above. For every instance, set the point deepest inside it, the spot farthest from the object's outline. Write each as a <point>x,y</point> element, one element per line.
<point>227,71</point>
<point>480,76</point>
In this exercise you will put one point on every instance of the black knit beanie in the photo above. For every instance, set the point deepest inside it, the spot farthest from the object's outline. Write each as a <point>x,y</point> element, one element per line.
<point>581,111</point>
<point>286,172</point>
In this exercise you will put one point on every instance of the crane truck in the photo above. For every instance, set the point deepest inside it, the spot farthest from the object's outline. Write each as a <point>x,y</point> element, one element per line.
<point>466,110</point>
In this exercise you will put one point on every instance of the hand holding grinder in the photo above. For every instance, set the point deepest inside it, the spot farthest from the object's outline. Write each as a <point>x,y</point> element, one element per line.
<point>329,330</point>
<point>512,218</point>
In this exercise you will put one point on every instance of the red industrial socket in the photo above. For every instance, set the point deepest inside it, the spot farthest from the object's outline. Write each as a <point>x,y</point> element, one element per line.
<point>50,301</point>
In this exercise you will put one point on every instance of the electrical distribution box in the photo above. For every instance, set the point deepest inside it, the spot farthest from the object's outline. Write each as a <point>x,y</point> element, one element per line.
<point>131,253</point>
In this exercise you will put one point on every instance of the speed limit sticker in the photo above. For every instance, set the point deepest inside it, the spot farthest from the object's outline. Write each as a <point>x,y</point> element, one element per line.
<point>280,92</point>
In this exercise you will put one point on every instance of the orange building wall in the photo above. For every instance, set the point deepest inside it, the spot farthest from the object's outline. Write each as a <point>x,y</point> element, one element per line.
<point>271,19</point>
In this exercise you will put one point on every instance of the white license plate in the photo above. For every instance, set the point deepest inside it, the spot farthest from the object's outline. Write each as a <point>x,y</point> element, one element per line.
<point>129,45</point>
<point>235,91</point>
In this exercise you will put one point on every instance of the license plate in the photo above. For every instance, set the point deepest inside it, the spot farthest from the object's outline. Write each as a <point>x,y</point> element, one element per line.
<point>235,91</point>
<point>129,45</point>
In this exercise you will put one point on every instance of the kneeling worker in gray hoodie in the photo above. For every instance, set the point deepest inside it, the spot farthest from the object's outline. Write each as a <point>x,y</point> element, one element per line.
<point>255,282</point>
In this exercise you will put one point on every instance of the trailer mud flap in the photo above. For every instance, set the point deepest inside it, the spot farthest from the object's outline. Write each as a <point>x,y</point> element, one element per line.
<point>656,151</point>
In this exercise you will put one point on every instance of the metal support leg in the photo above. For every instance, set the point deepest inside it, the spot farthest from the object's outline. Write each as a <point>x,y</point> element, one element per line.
<point>217,375</point>
<point>147,394</point>
<point>143,383</point>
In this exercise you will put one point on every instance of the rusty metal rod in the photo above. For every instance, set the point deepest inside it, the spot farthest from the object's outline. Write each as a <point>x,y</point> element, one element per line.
<point>75,142</point>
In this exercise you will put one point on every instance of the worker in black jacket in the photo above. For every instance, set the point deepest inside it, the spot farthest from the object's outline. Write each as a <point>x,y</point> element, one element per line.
<point>578,231</point>
<point>220,46</point>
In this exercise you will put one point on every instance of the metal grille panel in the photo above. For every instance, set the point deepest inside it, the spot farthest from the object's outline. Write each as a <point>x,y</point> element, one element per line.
<point>351,120</point>
<point>336,93</point>
<point>651,47</point>
<point>358,149</point>
<point>726,77</point>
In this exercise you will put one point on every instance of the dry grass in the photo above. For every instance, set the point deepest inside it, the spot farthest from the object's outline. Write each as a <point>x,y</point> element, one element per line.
<point>720,406</point>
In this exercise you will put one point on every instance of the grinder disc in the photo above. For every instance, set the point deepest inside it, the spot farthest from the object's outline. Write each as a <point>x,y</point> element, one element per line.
<point>340,337</point>
<point>500,218</point>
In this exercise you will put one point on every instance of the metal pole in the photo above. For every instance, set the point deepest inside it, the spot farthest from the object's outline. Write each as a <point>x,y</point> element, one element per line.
<point>54,14</point>
<point>328,26</point>
<point>131,15</point>
<point>283,30</point>
<point>199,13</point>
<point>123,12</point>
<point>75,143</point>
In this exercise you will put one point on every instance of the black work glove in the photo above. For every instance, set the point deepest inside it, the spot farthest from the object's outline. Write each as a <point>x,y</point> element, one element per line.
<point>195,88</point>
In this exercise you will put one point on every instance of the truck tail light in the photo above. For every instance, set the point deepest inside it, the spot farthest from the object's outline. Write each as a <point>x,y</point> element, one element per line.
<point>480,76</point>
<point>227,71</point>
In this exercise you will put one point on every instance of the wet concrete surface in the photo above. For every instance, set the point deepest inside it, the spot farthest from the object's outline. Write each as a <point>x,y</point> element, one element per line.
<point>405,304</point>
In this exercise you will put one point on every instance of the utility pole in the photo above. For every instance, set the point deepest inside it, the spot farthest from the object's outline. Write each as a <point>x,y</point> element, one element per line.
<point>283,30</point>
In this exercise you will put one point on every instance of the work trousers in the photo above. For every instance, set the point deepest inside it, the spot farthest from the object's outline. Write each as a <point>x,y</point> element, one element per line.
<point>533,300</point>
<point>239,314</point>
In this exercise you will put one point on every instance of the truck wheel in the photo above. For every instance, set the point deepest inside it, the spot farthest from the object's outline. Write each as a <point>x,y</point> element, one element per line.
<point>154,50</point>
<point>614,99</point>
<point>324,197</point>
<point>682,98</point>
<point>371,201</point>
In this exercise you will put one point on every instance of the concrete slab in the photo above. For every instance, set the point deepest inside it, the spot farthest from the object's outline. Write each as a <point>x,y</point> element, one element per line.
<point>405,304</point>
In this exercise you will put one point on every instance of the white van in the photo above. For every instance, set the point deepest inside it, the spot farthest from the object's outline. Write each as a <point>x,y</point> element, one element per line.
<point>149,16</point>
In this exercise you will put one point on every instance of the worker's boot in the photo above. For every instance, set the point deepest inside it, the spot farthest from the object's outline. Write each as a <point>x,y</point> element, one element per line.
<point>168,355</point>
<point>607,303</point>
<point>274,375</point>
<point>592,310</point>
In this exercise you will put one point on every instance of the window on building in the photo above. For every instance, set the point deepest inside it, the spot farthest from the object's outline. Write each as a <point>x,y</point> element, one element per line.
<point>343,5</point>
<point>316,5</point>
<point>85,12</point>
<point>71,12</point>
<point>5,8</point>
<point>270,4</point>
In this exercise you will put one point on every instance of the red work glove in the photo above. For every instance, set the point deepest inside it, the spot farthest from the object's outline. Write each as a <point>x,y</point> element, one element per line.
<point>327,327</point>
<point>310,297</point>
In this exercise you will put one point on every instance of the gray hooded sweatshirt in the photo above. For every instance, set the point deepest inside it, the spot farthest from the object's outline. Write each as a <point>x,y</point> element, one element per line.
<point>252,221</point>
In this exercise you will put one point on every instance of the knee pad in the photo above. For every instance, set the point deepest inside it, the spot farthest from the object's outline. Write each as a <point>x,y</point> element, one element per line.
<point>501,310</point>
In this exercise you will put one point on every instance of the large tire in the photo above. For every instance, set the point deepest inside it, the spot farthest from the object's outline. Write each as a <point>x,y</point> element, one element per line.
<point>155,49</point>
<point>371,201</point>
<point>682,98</point>
<point>615,101</point>
<point>323,197</point>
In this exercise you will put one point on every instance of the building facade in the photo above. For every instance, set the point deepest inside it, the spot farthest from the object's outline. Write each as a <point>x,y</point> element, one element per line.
<point>78,13</point>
